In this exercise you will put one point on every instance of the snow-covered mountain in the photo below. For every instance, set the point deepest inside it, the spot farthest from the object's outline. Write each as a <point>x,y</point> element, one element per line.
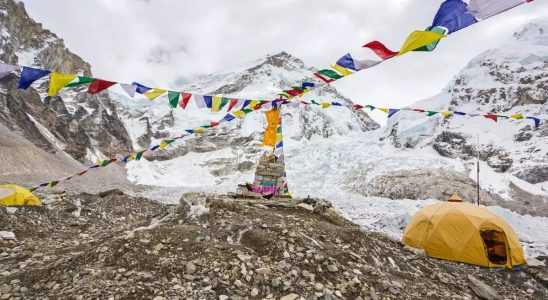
<point>71,128</point>
<point>227,156</point>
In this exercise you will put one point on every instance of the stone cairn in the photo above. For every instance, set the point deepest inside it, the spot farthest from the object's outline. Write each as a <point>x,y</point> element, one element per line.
<point>269,169</point>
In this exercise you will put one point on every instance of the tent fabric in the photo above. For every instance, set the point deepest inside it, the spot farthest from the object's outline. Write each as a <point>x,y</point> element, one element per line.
<point>453,15</point>
<point>453,231</point>
<point>14,195</point>
<point>483,9</point>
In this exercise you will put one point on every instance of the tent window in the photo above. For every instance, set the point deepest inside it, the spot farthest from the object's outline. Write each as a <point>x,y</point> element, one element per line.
<point>495,244</point>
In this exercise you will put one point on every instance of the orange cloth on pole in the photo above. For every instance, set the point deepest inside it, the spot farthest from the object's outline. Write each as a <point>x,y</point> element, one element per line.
<point>272,117</point>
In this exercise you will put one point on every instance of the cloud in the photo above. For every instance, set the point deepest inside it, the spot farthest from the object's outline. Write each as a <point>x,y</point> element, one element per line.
<point>168,43</point>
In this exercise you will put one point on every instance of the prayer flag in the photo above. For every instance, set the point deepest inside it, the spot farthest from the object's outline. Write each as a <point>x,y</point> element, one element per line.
<point>326,80</point>
<point>81,80</point>
<point>348,62</point>
<point>483,9</point>
<point>432,46</point>
<point>392,111</point>
<point>418,39</point>
<point>326,104</point>
<point>446,113</point>
<point>517,116</point>
<point>330,73</point>
<point>99,85</point>
<point>216,103</point>
<point>492,117</point>
<point>200,101</point>
<point>233,103</point>
<point>130,89</point>
<point>306,85</point>
<point>58,81</point>
<point>184,101</point>
<point>342,70</point>
<point>381,50</point>
<point>208,101</point>
<point>536,120</point>
<point>459,113</point>
<point>173,98</point>
<point>155,93</point>
<point>272,118</point>
<point>141,89</point>
<point>238,114</point>
<point>6,69</point>
<point>383,109</point>
<point>30,75</point>
<point>453,15</point>
<point>431,113</point>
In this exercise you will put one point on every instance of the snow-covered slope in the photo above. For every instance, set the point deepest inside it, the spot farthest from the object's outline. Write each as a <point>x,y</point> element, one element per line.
<point>377,176</point>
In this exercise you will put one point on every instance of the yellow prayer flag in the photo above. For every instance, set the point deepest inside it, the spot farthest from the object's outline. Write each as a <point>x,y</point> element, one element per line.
<point>517,116</point>
<point>163,145</point>
<point>383,109</point>
<point>272,118</point>
<point>326,104</point>
<point>155,93</point>
<point>446,113</point>
<point>278,137</point>
<point>199,130</point>
<point>342,70</point>
<point>252,104</point>
<point>58,81</point>
<point>216,103</point>
<point>418,39</point>
<point>238,114</point>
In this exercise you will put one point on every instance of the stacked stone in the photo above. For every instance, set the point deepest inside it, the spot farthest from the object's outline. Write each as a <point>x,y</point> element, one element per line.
<point>269,169</point>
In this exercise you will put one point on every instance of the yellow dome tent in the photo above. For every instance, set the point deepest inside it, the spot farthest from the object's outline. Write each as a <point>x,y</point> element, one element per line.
<point>14,195</point>
<point>464,232</point>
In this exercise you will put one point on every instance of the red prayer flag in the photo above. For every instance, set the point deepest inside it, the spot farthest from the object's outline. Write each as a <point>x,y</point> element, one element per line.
<point>294,92</point>
<point>492,117</point>
<point>380,49</point>
<point>323,78</point>
<point>99,85</point>
<point>233,103</point>
<point>213,124</point>
<point>357,106</point>
<point>184,100</point>
<point>419,110</point>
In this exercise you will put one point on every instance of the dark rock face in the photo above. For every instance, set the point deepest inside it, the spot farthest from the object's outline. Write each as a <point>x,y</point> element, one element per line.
<point>79,122</point>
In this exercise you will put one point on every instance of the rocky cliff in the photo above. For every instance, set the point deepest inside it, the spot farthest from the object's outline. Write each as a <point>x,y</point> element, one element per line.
<point>84,126</point>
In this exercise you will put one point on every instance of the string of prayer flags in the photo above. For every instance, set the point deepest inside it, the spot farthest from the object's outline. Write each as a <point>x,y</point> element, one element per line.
<point>81,80</point>
<point>136,155</point>
<point>6,69</point>
<point>453,15</point>
<point>154,93</point>
<point>99,85</point>
<point>418,39</point>
<point>57,81</point>
<point>30,75</point>
<point>483,9</point>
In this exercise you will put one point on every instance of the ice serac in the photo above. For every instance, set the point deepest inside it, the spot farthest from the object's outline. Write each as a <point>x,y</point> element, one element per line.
<point>84,126</point>
<point>226,156</point>
<point>507,80</point>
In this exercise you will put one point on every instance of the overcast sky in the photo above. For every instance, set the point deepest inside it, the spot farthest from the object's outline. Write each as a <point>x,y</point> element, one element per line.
<point>165,43</point>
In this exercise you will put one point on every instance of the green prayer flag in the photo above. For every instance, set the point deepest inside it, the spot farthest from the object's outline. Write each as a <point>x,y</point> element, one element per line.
<point>247,110</point>
<point>371,107</point>
<point>173,98</point>
<point>139,155</point>
<point>314,102</point>
<point>330,73</point>
<point>81,80</point>
<point>224,102</point>
<point>432,46</point>
<point>431,113</point>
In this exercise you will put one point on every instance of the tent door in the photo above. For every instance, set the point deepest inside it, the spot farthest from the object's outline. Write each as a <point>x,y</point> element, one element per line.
<point>495,246</point>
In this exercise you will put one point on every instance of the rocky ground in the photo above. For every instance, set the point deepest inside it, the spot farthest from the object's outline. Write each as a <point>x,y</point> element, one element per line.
<point>113,246</point>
